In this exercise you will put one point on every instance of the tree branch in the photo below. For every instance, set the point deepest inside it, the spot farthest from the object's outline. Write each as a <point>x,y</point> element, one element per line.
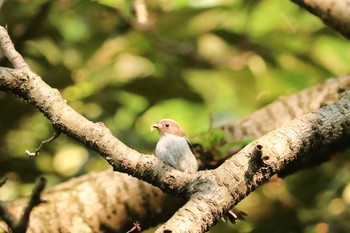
<point>96,136</point>
<point>211,192</point>
<point>216,191</point>
<point>35,199</point>
<point>334,13</point>
<point>34,90</point>
<point>7,217</point>
<point>106,181</point>
<point>285,109</point>
<point>2,181</point>
<point>20,225</point>
<point>141,12</point>
<point>103,201</point>
<point>282,111</point>
<point>10,52</point>
<point>38,149</point>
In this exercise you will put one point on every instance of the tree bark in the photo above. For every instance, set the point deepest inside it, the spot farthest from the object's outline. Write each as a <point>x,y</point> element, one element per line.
<point>103,201</point>
<point>105,181</point>
<point>335,13</point>
<point>211,193</point>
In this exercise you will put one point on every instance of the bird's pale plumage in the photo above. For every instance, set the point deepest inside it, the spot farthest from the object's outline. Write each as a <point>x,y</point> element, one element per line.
<point>173,148</point>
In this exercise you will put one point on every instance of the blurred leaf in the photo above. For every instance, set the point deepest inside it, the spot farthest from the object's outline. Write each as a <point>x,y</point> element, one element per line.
<point>72,27</point>
<point>160,89</point>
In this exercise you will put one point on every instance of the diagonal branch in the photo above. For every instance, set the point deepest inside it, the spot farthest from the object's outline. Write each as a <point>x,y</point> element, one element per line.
<point>283,110</point>
<point>216,191</point>
<point>334,13</point>
<point>10,52</point>
<point>123,200</point>
<point>35,199</point>
<point>21,224</point>
<point>96,136</point>
<point>326,93</point>
<point>286,108</point>
<point>211,192</point>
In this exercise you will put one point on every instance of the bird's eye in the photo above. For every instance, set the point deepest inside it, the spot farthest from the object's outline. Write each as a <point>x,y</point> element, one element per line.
<point>167,125</point>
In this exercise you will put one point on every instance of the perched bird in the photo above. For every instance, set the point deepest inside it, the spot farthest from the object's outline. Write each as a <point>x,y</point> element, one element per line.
<point>173,148</point>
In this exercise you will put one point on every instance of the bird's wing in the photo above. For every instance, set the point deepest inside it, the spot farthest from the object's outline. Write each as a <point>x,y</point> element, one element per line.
<point>190,145</point>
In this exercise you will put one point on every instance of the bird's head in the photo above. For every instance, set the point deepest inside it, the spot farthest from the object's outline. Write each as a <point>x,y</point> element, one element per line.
<point>168,126</point>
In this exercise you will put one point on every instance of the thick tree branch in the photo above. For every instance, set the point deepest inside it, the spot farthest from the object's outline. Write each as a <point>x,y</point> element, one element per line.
<point>34,90</point>
<point>334,13</point>
<point>96,136</point>
<point>211,192</point>
<point>285,109</point>
<point>317,96</point>
<point>206,182</point>
<point>257,162</point>
<point>282,111</point>
<point>104,201</point>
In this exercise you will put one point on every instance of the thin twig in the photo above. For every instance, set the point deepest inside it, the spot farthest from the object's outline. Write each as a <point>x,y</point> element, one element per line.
<point>137,227</point>
<point>140,11</point>
<point>4,214</point>
<point>3,181</point>
<point>37,150</point>
<point>20,225</point>
<point>35,199</point>
<point>2,3</point>
<point>7,217</point>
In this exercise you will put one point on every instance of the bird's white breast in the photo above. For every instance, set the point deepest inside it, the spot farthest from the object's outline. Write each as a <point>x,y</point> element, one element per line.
<point>175,151</point>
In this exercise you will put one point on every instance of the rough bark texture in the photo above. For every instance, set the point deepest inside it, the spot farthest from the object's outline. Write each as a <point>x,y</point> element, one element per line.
<point>7,48</point>
<point>211,193</point>
<point>258,161</point>
<point>96,136</point>
<point>328,92</point>
<point>285,109</point>
<point>103,201</point>
<point>334,13</point>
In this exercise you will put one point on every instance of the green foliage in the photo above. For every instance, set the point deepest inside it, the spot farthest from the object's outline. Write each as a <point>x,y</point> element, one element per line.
<point>195,59</point>
<point>213,142</point>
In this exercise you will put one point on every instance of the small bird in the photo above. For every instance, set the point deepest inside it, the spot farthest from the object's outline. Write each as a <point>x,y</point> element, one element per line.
<point>173,148</point>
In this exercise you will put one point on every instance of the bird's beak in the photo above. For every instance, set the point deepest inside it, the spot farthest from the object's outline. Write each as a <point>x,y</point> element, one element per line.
<point>155,126</point>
